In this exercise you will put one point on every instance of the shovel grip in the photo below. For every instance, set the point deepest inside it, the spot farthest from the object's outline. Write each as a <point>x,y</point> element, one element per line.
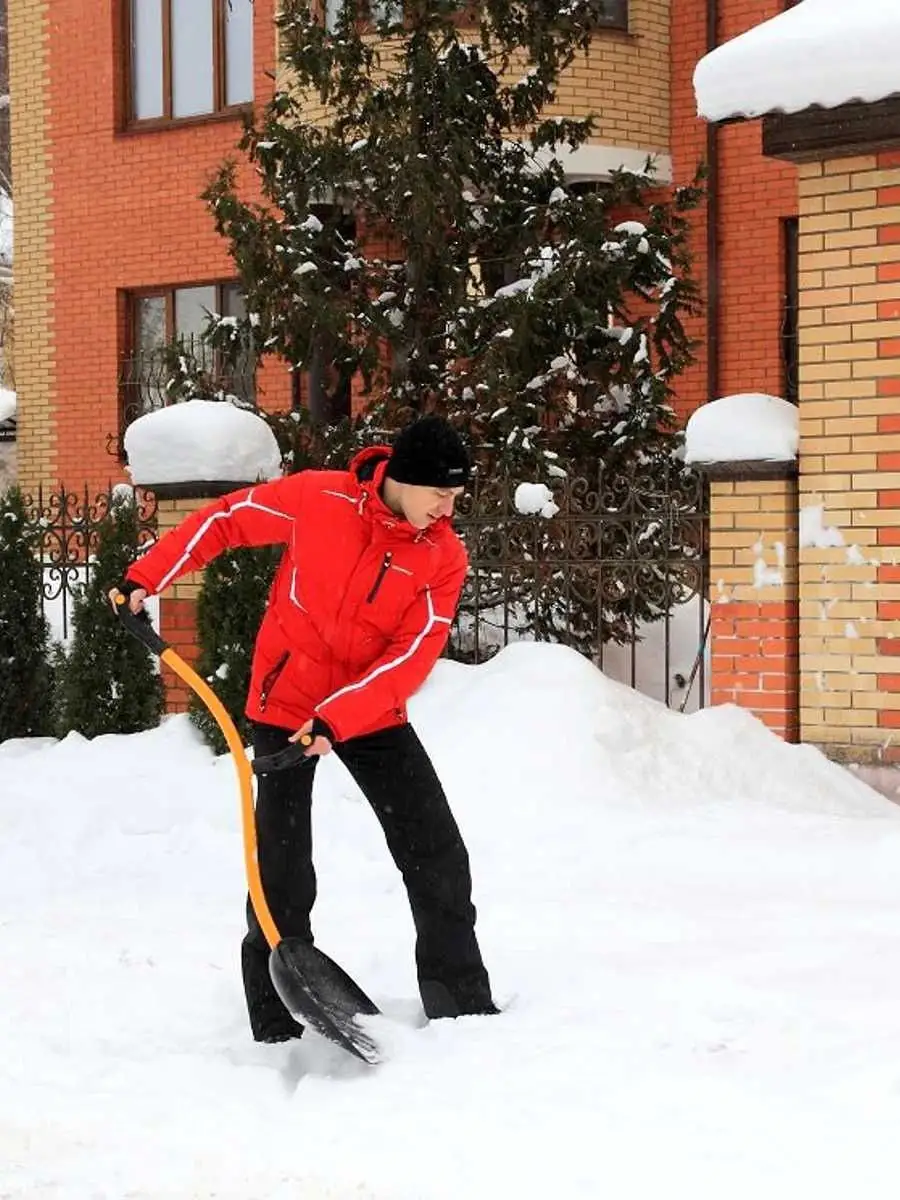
<point>138,625</point>
<point>282,759</point>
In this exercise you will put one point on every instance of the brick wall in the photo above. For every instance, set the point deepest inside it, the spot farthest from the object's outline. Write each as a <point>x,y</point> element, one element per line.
<point>755,195</point>
<point>850,455</point>
<point>623,79</point>
<point>754,599</point>
<point>29,28</point>
<point>178,624</point>
<point>99,212</point>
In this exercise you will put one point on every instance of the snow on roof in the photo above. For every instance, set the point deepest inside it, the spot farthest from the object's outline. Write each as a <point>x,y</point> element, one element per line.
<point>750,427</point>
<point>820,52</point>
<point>201,440</point>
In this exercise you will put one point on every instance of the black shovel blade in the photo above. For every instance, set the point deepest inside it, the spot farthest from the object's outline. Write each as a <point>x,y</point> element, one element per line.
<point>315,990</point>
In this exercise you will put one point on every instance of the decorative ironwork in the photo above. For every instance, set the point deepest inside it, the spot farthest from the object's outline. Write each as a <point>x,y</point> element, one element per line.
<point>620,558</point>
<point>153,378</point>
<point>66,526</point>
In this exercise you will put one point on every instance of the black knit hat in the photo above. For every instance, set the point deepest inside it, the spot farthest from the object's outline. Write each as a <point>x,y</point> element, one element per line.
<point>429,453</point>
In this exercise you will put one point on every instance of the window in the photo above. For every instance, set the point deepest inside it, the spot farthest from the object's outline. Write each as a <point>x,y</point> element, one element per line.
<point>164,317</point>
<point>790,361</point>
<point>616,14</point>
<point>188,57</point>
<point>379,11</point>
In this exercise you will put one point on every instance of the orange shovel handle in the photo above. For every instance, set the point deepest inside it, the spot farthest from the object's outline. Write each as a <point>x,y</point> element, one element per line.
<point>139,626</point>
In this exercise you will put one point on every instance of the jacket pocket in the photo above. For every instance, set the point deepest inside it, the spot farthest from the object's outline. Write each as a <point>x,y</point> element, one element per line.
<point>271,678</point>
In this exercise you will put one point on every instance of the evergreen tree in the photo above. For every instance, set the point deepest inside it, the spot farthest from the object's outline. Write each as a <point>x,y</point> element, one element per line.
<point>473,277</point>
<point>25,677</point>
<point>229,611</point>
<point>417,231</point>
<point>109,682</point>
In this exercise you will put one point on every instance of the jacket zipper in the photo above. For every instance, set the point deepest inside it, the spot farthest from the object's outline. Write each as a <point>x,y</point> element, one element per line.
<point>385,563</point>
<point>271,679</point>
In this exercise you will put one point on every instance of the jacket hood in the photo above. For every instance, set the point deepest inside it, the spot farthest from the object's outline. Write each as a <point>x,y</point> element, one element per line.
<point>364,464</point>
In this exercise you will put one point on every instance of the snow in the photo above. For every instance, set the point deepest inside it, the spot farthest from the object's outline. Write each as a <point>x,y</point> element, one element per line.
<point>533,499</point>
<point>645,667</point>
<point>820,52</point>
<point>7,404</point>
<point>691,926</point>
<point>814,531</point>
<point>6,228</point>
<point>743,428</point>
<point>201,441</point>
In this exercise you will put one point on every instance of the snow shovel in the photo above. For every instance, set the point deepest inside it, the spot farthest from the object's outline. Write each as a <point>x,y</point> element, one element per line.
<point>311,986</point>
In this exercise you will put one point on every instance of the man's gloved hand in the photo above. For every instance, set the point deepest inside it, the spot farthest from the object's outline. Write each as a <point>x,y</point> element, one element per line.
<point>319,731</point>
<point>135,593</point>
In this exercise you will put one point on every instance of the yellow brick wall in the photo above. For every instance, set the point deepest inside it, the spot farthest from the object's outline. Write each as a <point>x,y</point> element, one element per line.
<point>28,68</point>
<point>850,455</point>
<point>623,81</point>
<point>169,515</point>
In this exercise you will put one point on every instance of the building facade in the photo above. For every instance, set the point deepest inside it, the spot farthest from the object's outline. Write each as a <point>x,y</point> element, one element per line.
<point>124,109</point>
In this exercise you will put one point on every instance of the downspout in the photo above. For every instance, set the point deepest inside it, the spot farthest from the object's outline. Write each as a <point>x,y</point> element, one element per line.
<point>713,265</point>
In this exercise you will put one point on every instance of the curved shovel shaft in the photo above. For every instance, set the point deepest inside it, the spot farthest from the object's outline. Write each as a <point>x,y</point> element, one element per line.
<point>138,625</point>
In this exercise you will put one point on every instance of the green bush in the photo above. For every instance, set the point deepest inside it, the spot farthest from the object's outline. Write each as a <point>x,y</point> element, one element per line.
<point>229,611</point>
<point>109,682</point>
<point>25,677</point>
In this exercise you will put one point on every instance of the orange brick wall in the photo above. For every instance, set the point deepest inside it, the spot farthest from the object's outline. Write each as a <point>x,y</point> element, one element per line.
<point>755,193</point>
<point>124,213</point>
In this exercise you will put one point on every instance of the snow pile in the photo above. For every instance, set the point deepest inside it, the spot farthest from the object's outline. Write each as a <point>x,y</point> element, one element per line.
<point>743,428</point>
<point>202,441</point>
<point>533,499</point>
<point>820,52</point>
<point>692,929</point>
<point>7,404</point>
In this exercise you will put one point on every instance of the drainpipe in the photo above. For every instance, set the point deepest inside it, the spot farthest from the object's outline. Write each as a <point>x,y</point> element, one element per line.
<point>713,269</point>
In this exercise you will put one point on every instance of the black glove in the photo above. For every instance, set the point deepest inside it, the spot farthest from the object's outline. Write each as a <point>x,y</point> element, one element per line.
<point>321,728</point>
<point>127,586</point>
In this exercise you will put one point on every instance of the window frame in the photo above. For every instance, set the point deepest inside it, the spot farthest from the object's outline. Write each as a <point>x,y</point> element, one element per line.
<point>131,351</point>
<point>790,308</point>
<point>220,111</point>
<point>617,22</point>
<point>618,19</point>
<point>167,292</point>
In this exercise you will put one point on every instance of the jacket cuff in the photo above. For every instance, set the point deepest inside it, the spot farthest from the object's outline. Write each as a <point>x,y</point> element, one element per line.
<point>133,580</point>
<point>321,728</point>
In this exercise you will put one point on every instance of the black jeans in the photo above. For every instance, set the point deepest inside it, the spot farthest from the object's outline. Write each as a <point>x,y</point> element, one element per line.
<point>395,774</point>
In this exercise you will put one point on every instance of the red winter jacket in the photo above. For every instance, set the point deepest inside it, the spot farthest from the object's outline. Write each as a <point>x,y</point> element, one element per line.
<point>361,605</point>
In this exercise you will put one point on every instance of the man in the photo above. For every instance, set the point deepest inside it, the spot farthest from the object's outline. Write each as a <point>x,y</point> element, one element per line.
<point>359,611</point>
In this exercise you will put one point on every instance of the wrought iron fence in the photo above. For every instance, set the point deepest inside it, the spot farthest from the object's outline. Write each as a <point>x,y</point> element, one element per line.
<point>616,566</point>
<point>618,571</point>
<point>66,526</point>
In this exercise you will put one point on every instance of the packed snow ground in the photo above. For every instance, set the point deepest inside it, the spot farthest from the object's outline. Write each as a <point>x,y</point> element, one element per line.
<point>693,928</point>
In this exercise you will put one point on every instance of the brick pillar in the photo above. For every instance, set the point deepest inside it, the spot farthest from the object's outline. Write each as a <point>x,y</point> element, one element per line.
<point>177,606</point>
<point>850,455</point>
<point>753,598</point>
